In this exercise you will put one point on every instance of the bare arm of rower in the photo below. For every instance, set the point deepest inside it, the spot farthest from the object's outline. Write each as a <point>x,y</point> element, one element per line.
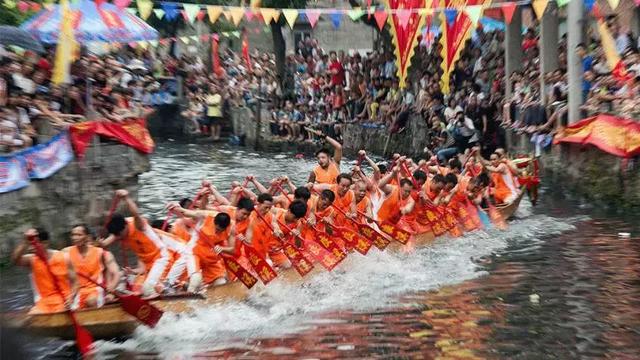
<point>374,166</point>
<point>337,153</point>
<point>194,214</point>
<point>409,207</point>
<point>384,182</point>
<point>248,236</point>
<point>231,244</point>
<point>18,256</point>
<point>133,208</point>
<point>219,198</point>
<point>289,183</point>
<point>113,271</point>
<point>312,177</point>
<point>73,280</point>
<point>257,184</point>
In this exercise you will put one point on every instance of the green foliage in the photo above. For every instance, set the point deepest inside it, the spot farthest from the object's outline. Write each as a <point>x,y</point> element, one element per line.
<point>13,16</point>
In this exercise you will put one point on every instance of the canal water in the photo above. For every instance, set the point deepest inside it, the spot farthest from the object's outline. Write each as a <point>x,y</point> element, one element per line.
<point>558,283</point>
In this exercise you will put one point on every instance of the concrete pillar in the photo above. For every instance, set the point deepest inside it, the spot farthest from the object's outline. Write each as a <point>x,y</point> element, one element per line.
<point>548,45</point>
<point>513,48</point>
<point>575,29</point>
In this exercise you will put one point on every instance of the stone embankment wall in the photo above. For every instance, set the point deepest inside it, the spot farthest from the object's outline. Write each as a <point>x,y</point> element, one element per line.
<point>80,192</point>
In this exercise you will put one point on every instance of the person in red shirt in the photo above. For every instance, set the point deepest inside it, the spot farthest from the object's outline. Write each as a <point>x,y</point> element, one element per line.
<point>336,70</point>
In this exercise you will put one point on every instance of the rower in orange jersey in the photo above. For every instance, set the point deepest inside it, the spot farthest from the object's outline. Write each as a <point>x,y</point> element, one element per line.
<point>284,223</point>
<point>389,209</point>
<point>301,193</point>
<point>363,202</point>
<point>320,214</point>
<point>153,247</point>
<point>93,262</point>
<point>345,199</point>
<point>45,293</point>
<point>328,168</point>
<point>216,236</point>
<point>406,207</point>
<point>204,220</point>
<point>504,188</point>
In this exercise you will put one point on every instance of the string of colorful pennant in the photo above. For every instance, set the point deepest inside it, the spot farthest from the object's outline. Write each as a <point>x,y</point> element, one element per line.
<point>234,14</point>
<point>195,39</point>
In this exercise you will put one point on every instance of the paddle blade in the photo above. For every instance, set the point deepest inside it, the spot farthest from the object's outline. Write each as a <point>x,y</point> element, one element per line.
<point>141,309</point>
<point>355,241</point>
<point>380,241</point>
<point>240,272</point>
<point>321,255</point>
<point>84,340</point>
<point>396,233</point>
<point>324,240</point>
<point>262,268</point>
<point>299,262</point>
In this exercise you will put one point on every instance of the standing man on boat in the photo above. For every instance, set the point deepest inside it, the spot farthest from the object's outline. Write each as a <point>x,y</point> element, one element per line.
<point>45,289</point>
<point>328,168</point>
<point>94,263</point>
<point>153,247</point>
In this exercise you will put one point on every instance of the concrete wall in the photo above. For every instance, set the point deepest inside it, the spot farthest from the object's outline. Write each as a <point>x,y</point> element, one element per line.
<point>80,192</point>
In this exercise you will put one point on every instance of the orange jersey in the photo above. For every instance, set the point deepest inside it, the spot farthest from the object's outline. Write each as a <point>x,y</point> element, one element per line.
<point>181,230</point>
<point>46,297</point>
<point>328,175</point>
<point>342,202</point>
<point>501,190</point>
<point>261,231</point>
<point>362,206</point>
<point>143,243</point>
<point>90,265</point>
<point>389,208</point>
<point>207,261</point>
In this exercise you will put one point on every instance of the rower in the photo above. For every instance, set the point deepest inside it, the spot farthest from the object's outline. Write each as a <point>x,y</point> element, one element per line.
<point>45,291</point>
<point>92,262</point>
<point>406,205</point>
<point>344,198</point>
<point>363,202</point>
<point>290,218</point>
<point>260,236</point>
<point>153,247</point>
<point>328,168</point>
<point>213,239</point>
<point>301,193</point>
<point>504,189</point>
<point>320,213</point>
<point>388,210</point>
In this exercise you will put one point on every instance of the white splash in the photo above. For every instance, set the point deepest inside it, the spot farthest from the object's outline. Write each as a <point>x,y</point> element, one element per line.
<point>359,283</point>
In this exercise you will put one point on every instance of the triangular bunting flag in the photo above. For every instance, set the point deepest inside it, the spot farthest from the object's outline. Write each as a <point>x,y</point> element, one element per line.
<point>312,16</point>
<point>236,34</point>
<point>450,15</point>
<point>170,10</point>
<point>9,4</point>
<point>336,19</point>
<point>234,14</point>
<point>122,3</point>
<point>143,44</point>
<point>425,11</point>
<point>249,14</point>
<point>133,44</point>
<point>381,18</point>
<point>145,7</point>
<point>159,13</point>
<point>191,10</point>
<point>614,4</point>
<point>132,11</point>
<point>184,39</point>
<point>403,17</point>
<point>355,14</point>
<point>269,15</point>
<point>562,3</point>
<point>153,43</point>
<point>588,4</point>
<point>291,15</point>
<point>194,38</point>
<point>539,6</point>
<point>48,6</point>
<point>214,13</point>
<point>474,12</point>
<point>508,9</point>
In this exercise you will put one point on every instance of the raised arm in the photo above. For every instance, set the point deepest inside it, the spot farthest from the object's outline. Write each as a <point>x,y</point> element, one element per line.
<point>337,153</point>
<point>261,189</point>
<point>133,208</point>
<point>18,256</point>
<point>384,182</point>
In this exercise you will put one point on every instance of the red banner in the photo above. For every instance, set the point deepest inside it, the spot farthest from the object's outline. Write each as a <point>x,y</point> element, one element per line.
<point>260,265</point>
<point>454,35</point>
<point>614,135</point>
<point>299,262</point>
<point>241,273</point>
<point>245,51</point>
<point>215,56</point>
<point>406,21</point>
<point>131,132</point>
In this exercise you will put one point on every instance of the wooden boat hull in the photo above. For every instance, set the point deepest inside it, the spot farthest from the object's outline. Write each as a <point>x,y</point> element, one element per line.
<point>111,321</point>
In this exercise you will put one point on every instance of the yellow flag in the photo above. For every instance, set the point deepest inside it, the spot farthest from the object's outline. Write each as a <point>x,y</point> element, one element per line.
<point>66,48</point>
<point>234,14</point>
<point>145,7</point>
<point>269,15</point>
<point>539,6</point>
<point>614,4</point>
<point>214,13</point>
<point>291,15</point>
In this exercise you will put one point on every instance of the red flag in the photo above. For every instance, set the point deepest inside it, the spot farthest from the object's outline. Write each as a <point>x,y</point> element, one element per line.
<point>132,132</point>
<point>217,69</point>
<point>299,262</point>
<point>508,9</point>
<point>245,51</point>
<point>260,265</point>
<point>241,273</point>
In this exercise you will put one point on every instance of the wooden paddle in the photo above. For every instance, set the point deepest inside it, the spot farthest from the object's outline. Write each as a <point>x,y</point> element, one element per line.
<point>134,305</point>
<point>83,336</point>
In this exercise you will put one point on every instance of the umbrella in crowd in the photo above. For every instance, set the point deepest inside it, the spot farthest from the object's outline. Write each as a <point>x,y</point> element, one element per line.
<point>106,23</point>
<point>11,35</point>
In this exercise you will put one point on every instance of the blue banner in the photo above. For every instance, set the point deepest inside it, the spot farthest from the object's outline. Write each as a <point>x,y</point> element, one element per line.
<point>13,173</point>
<point>38,162</point>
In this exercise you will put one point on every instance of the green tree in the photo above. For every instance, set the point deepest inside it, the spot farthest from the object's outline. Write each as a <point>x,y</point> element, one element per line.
<point>13,16</point>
